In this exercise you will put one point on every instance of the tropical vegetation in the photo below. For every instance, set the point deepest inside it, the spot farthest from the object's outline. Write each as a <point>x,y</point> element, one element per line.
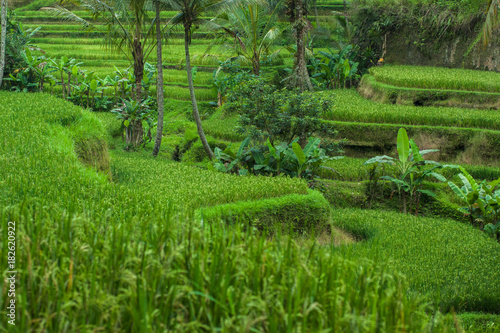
<point>256,166</point>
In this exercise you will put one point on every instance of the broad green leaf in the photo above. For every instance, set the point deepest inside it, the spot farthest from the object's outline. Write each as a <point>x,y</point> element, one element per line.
<point>243,145</point>
<point>403,145</point>
<point>301,157</point>
<point>74,70</point>
<point>427,151</point>
<point>126,123</point>
<point>457,191</point>
<point>380,159</point>
<point>347,68</point>
<point>417,157</point>
<point>272,150</point>
<point>93,85</point>
<point>229,152</point>
<point>438,176</point>
<point>311,145</point>
<point>494,183</point>
<point>466,182</point>
<point>427,192</point>
<point>398,182</point>
<point>472,197</point>
<point>258,156</point>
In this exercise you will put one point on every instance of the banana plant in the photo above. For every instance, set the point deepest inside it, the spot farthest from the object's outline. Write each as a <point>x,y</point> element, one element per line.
<point>278,153</point>
<point>481,199</point>
<point>317,157</point>
<point>411,170</point>
<point>130,113</point>
<point>60,66</point>
<point>227,160</point>
<point>337,68</point>
<point>298,158</point>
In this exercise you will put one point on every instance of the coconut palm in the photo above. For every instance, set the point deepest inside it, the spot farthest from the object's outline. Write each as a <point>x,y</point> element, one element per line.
<point>492,21</point>
<point>159,81</point>
<point>297,11</point>
<point>3,36</point>
<point>252,30</point>
<point>191,13</point>
<point>128,29</point>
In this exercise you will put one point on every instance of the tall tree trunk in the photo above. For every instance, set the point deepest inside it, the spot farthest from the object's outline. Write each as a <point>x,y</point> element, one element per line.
<point>3,37</point>
<point>159,83</point>
<point>300,76</point>
<point>196,114</point>
<point>255,64</point>
<point>137,53</point>
<point>316,13</point>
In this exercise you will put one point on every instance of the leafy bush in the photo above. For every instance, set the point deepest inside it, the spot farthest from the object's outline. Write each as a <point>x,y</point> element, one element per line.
<point>282,159</point>
<point>280,115</point>
<point>17,42</point>
<point>295,213</point>
<point>334,69</point>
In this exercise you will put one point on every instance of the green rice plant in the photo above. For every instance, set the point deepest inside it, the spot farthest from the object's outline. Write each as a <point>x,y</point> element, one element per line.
<point>442,258</point>
<point>381,92</point>
<point>132,262</point>
<point>350,106</point>
<point>437,78</point>
<point>159,272</point>
<point>182,93</point>
<point>223,126</point>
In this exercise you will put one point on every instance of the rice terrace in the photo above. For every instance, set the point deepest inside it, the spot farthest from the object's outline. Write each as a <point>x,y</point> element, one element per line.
<point>250,166</point>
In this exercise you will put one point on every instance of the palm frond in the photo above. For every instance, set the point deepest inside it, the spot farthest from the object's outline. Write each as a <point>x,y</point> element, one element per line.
<point>67,15</point>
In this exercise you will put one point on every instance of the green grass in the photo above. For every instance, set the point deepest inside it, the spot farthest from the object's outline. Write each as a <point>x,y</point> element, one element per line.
<point>223,126</point>
<point>370,88</point>
<point>201,187</point>
<point>437,78</point>
<point>158,273</point>
<point>350,106</point>
<point>119,256</point>
<point>452,262</point>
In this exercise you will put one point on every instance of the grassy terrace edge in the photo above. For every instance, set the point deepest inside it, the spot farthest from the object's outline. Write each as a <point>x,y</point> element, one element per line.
<point>381,92</point>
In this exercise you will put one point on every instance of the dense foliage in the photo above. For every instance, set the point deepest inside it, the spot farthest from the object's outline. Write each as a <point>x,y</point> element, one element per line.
<point>280,115</point>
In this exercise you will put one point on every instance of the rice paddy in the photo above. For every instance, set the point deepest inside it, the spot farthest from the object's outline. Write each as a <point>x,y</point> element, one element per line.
<point>118,241</point>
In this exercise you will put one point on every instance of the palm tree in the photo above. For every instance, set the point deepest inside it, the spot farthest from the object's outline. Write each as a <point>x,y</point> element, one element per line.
<point>252,30</point>
<point>159,82</point>
<point>297,11</point>
<point>191,12</point>
<point>492,21</point>
<point>3,36</point>
<point>128,29</point>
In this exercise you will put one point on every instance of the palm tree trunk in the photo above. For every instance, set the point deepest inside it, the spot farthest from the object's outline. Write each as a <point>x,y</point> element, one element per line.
<point>316,13</point>
<point>196,114</point>
<point>159,83</point>
<point>3,39</point>
<point>255,64</point>
<point>137,130</point>
<point>301,77</point>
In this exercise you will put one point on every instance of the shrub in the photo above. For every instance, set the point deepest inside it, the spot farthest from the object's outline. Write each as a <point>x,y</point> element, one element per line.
<point>294,213</point>
<point>280,115</point>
